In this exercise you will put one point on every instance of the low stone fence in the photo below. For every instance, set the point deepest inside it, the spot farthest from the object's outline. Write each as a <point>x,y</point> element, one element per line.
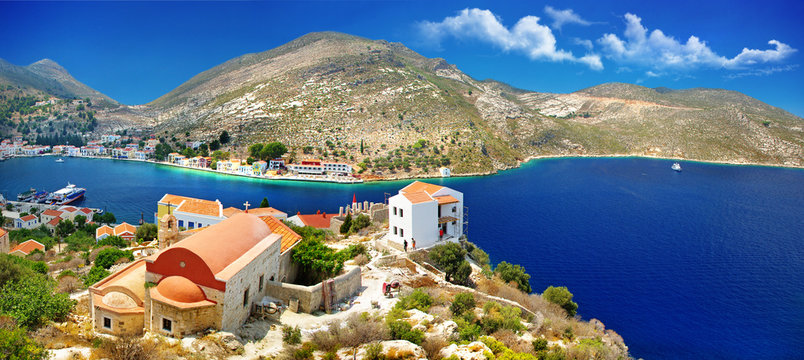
<point>310,298</point>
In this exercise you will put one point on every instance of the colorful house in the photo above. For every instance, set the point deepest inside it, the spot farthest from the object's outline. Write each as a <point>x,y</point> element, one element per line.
<point>25,248</point>
<point>191,213</point>
<point>126,231</point>
<point>27,222</point>
<point>103,232</point>
<point>4,241</point>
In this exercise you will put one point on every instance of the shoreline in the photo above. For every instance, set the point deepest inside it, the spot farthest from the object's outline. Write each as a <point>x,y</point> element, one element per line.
<point>519,164</point>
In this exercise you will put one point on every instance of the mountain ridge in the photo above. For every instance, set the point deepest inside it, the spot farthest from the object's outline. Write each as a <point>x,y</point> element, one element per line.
<point>48,76</point>
<point>330,91</point>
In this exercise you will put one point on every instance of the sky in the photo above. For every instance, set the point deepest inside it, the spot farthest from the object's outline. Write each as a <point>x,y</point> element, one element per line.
<point>137,51</point>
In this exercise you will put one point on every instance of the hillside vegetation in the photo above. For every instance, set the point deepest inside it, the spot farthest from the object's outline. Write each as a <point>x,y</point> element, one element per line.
<point>394,113</point>
<point>325,93</point>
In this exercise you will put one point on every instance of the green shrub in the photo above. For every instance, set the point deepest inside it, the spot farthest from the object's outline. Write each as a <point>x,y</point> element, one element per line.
<point>14,268</point>
<point>40,267</point>
<point>305,352</point>
<point>479,256</point>
<point>514,273</point>
<point>496,346</point>
<point>16,345</point>
<point>468,330</point>
<point>462,303</point>
<point>360,222</point>
<point>539,344</point>
<point>374,351</point>
<point>108,257</point>
<point>450,258</point>
<point>31,301</point>
<point>347,224</point>
<point>95,274</point>
<point>498,317</point>
<point>418,299</point>
<point>291,335</point>
<point>402,330</point>
<point>561,297</point>
<point>112,240</point>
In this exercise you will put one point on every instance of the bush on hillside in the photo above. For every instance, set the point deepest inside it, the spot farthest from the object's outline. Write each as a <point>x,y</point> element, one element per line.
<point>514,273</point>
<point>97,273</point>
<point>108,257</point>
<point>450,258</point>
<point>462,303</point>
<point>15,344</point>
<point>418,299</point>
<point>402,330</point>
<point>112,241</point>
<point>31,301</point>
<point>561,296</point>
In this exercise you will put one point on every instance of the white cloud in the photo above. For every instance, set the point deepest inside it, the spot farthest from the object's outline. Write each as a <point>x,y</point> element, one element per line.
<point>583,42</point>
<point>652,74</point>
<point>657,50</point>
<point>527,36</point>
<point>561,17</point>
<point>763,71</point>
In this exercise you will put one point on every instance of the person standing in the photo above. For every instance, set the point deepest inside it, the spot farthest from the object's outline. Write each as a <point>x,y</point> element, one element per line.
<point>414,243</point>
<point>406,245</point>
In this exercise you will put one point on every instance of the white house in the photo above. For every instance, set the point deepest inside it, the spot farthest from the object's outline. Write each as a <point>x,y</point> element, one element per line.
<point>27,222</point>
<point>427,213</point>
<point>338,168</point>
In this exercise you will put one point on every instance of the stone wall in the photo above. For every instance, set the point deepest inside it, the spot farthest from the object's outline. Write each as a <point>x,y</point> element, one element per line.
<point>185,321</point>
<point>266,265</point>
<point>287,268</point>
<point>310,297</point>
<point>122,324</point>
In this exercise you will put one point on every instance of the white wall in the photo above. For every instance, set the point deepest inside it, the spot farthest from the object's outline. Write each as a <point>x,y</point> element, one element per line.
<point>418,221</point>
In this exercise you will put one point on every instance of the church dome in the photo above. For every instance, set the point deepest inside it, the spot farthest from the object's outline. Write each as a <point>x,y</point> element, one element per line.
<point>181,289</point>
<point>119,300</point>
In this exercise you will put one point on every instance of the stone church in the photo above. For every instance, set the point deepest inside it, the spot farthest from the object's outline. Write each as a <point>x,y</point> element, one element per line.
<point>209,279</point>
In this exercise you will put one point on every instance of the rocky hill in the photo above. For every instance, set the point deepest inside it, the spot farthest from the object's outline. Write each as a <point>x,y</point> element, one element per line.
<point>329,92</point>
<point>395,113</point>
<point>51,78</point>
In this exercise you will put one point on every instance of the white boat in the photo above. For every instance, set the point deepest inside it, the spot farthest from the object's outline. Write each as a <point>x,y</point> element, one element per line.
<point>676,166</point>
<point>59,160</point>
<point>66,195</point>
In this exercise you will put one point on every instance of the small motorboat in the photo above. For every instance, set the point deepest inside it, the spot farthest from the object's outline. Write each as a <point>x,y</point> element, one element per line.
<point>676,166</point>
<point>59,160</point>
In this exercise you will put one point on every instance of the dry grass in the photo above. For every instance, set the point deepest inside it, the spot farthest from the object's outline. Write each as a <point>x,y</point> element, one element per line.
<point>129,348</point>
<point>361,260</point>
<point>68,284</point>
<point>356,330</point>
<point>433,345</point>
<point>513,341</point>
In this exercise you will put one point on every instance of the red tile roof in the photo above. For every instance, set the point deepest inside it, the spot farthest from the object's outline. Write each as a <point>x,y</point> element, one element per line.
<point>105,229</point>
<point>85,210</point>
<point>269,211</point>
<point>417,197</point>
<point>51,212</point>
<point>69,209</point>
<point>289,237</point>
<point>28,217</point>
<point>55,221</point>
<point>28,246</point>
<point>417,186</point>
<point>124,227</point>
<point>3,232</point>
<point>446,199</point>
<point>320,221</point>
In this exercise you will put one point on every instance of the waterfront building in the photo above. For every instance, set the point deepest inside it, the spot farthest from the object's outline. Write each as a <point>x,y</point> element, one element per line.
<point>25,248</point>
<point>337,168</point>
<point>208,280</point>
<point>27,222</point>
<point>425,212</point>
<point>49,215</point>
<point>276,164</point>
<point>126,231</point>
<point>70,212</point>
<point>103,232</point>
<point>307,167</point>
<point>4,241</point>
<point>258,167</point>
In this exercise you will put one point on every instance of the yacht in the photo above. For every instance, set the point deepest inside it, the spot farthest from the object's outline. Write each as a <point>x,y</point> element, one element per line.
<point>676,166</point>
<point>59,160</point>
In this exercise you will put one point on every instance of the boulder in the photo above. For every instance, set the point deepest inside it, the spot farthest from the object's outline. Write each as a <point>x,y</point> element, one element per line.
<point>471,351</point>
<point>230,341</point>
<point>446,328</point>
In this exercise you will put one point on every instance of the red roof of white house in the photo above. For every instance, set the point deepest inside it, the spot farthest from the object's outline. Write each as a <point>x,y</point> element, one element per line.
<point>85,210</point>
<point>28,217</point>
<point>28,246</point>
<point>105,229</point>
<point>54,221</point>
<point>69,209</point>
<point>123,228</point>
<point>51,212</point>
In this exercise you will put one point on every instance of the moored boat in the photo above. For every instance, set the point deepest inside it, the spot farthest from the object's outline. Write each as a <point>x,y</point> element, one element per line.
<point>66,195</point>
<point>27,195</point>
<point>676,167</point>
<point>59,160</point>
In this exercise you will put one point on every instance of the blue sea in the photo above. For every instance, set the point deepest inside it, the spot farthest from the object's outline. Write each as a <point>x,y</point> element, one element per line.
<point>703,264</point>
